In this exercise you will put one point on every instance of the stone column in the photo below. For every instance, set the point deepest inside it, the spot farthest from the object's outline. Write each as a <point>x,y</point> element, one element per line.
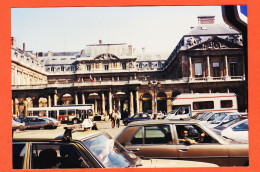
<point>103,103</point>
<point>228,91</point>
<point>55,99</point>
<point>190,61</point>
<point>169,102</point>
<point>76,99</point>
<point>153,103</point>
<point>137,101</point>
<point>49,101</point>
<point>131,103</point>
<point>25,108</point>
<point>110,102</point>
<point>226,77</point>
<point>83,98</point>
<point>96,106</point>
<point>119,105</point>
<point>140,106</point>
<point>208,65</point>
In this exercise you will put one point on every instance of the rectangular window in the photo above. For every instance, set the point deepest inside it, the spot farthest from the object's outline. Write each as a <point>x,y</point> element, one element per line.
<point>216,69</point>
<point>106,66</point>
<point>88,67</point>
<point>226,103</point>
<point>18,155</point>
<point>203,105</point>
<point>123,65</point>
<point>62,112</point>
<point>160,134</point>
<point>233,69</point>
<point>198,69</point>
<point>47,156</point>
<point>71,112</point>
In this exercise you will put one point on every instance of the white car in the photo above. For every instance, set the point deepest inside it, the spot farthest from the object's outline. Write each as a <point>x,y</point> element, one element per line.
<point>211,116</point>
<point>17,125</point>
<point>223,118</point>
<point>236,130</point>
<point>87,124</point>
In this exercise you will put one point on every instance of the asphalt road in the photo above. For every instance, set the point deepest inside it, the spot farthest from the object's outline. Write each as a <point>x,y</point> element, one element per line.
<point>101,125</point>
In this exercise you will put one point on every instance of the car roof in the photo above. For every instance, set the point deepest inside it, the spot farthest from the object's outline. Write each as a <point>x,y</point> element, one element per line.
<point>49,135</point>
<point>165,121</point>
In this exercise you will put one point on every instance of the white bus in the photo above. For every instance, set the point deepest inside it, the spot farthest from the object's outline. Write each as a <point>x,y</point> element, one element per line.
<point>187,105</point>
<point>65,113</point>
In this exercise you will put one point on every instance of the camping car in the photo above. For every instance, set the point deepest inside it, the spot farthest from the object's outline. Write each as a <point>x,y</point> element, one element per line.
<point>188,105</point>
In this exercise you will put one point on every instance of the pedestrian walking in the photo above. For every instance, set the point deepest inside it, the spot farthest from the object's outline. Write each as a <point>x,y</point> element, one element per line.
<point>113,118</point>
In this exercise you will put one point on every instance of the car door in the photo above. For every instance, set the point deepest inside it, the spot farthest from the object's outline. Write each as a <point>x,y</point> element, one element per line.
<point>154,141</point>
<point>32,123</point>
<point>193,145</point>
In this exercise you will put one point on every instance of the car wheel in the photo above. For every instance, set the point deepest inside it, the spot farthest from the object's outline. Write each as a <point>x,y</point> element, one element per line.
<point>75,121</point>
<point>54,127</point>
<point>125,123</point>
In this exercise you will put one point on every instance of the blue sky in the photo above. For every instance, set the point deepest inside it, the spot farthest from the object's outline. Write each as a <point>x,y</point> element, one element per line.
<point>158,29</point>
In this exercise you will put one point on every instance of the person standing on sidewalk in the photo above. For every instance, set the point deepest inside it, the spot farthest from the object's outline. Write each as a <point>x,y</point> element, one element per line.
<point>118,118</point>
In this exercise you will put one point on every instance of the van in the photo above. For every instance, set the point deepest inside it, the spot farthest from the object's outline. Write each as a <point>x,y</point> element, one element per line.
<point>187,105</point>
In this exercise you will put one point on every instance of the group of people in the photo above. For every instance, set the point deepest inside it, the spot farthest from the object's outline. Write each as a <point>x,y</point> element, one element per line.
<point>115,117</point>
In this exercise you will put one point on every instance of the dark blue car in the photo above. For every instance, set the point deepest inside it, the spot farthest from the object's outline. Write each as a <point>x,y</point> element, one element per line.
<point>137,117</point>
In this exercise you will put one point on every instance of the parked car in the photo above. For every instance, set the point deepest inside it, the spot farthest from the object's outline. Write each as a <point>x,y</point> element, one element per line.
<point>183,140</point>
<point>87,149</point>
<point>158,115</point>
<point>210,116</point>
<point>55,122</point>
<point>223,118</point>
<point>34,122</point>
<point>137,117</point>
<point>236,130</point>
<point>17,125</point>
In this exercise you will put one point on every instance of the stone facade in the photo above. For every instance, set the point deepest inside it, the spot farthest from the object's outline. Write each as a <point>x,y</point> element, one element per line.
<point>112,76</point>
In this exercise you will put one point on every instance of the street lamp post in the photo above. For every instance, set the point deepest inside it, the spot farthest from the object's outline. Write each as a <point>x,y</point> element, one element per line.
<point>154,86</point>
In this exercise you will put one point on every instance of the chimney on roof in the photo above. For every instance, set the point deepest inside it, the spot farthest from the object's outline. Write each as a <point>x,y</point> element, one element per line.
<point>13,42</point>
<point>130,49</point>
<point>206,19</point>
<point>24,47</point>
<point>49,53</point>
<point>100,41</point>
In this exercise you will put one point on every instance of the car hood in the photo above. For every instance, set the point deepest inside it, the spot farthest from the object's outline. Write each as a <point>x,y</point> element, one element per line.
<point>152,163</point>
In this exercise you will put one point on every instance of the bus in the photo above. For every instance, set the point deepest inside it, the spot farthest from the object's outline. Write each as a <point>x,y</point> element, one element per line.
<point>64,113</point>
<point>187,105</point>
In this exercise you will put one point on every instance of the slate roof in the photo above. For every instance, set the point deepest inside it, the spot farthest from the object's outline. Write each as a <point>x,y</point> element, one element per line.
<point>212,29</point>
<point>57,60</point>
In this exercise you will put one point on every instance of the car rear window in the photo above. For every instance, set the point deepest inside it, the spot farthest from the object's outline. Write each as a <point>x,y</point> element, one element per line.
<point>18,155</point>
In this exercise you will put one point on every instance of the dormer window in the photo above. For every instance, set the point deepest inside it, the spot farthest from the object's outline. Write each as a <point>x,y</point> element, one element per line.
<point>88,67</point>
<point>123,65</point>
<point>106,66</point>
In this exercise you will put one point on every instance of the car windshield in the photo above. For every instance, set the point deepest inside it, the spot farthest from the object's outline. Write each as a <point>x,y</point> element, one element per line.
<point>110,153</point>
<point>205,117</point>
<point>227,124</point>
<point>202,115</point>
<point>219,119</point>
